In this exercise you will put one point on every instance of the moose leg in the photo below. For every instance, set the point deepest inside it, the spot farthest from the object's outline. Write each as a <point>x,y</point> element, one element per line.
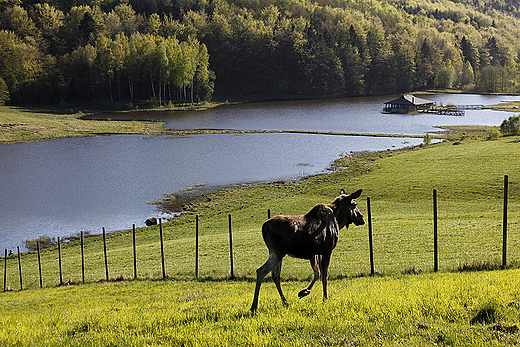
<point>315,264</point>
<point>324,266</point>
<point>276,279</point>
<point>262,271</point>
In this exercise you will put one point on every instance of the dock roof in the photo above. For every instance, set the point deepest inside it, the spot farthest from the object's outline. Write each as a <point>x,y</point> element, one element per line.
<point>409,99</point>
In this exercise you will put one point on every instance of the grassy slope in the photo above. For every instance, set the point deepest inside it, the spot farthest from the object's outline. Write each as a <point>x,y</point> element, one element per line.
<point>465,309</point>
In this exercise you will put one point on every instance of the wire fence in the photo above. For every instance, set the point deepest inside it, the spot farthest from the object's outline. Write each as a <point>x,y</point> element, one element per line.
<point>231,274</point>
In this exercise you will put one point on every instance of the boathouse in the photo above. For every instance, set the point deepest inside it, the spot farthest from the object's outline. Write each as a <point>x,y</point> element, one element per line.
<point>407,104</point>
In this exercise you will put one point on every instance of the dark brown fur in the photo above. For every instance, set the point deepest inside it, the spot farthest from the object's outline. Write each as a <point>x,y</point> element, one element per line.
<point>308,236</point>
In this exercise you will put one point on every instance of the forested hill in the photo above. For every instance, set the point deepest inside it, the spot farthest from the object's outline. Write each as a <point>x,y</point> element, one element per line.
<point>124,52</point>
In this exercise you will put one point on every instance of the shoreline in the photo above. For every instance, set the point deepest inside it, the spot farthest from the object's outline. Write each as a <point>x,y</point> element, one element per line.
<point>194,199</point>
<point>174,205</point>
<point>157,128</point>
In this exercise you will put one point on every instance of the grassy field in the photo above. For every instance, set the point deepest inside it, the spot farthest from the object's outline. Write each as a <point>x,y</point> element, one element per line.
<point>449,307</point>
<point>20,124</point>
<point>462,309</point>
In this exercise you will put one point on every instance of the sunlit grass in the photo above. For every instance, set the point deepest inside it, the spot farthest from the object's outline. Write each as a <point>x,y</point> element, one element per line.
<point>19,124</point>
<point>406,310</point>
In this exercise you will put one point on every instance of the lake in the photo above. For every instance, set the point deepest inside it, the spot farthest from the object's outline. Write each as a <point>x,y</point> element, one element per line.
<point>62,187</point>
<point>358,115</point>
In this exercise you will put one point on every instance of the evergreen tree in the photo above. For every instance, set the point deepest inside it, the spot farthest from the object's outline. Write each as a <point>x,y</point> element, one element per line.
<point>470,53</point>
<point>510,126</point>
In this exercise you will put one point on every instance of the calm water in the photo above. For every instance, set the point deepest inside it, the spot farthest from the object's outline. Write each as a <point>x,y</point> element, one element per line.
<point>58,188</point>
<point>360,115</point>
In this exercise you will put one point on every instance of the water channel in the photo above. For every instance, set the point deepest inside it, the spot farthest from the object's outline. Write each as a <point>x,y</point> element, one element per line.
<point>61,187</point>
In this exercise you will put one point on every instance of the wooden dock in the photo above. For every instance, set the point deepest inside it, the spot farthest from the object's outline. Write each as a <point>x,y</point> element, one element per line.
<point>452,110</point>
<point>468,107</point>
<point>445,111</point>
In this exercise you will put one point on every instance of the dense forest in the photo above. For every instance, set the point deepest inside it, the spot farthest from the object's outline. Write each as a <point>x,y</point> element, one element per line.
<point>126,52</point>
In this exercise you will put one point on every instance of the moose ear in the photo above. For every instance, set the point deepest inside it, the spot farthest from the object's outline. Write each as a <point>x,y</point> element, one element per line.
<point>342,191</point>
<point>356,194</point>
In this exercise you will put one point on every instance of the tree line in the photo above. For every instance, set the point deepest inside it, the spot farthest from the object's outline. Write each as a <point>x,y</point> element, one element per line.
<point>162,51</point>
<point>87,55</point>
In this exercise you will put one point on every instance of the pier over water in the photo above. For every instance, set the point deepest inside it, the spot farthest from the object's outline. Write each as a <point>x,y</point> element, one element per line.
<point>452,110</point>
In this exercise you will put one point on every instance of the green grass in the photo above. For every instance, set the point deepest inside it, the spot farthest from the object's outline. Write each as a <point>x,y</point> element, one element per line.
<point>512,106</point>
<point>19,124</point>
<point>466,309</point>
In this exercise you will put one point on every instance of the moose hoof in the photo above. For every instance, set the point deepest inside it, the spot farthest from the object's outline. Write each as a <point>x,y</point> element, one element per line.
<point>303,293</point>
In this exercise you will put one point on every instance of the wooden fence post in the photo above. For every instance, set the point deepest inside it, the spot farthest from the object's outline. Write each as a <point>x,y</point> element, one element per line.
<point>504,230</point>
<point>162,248</point>
<point>105,252</point>
<point>82,258</point>
<point>20,267</point>
<point>135,251</point>
<point>435,234</point>
<point>39,263</point>
<point>5,271</point>
<point>59,261</point>
<point>196,246</point>
<point>370,241</point>
<point>231,247</point>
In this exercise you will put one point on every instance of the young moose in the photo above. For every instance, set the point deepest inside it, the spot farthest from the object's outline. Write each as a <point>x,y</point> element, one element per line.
<point>306,237</point>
